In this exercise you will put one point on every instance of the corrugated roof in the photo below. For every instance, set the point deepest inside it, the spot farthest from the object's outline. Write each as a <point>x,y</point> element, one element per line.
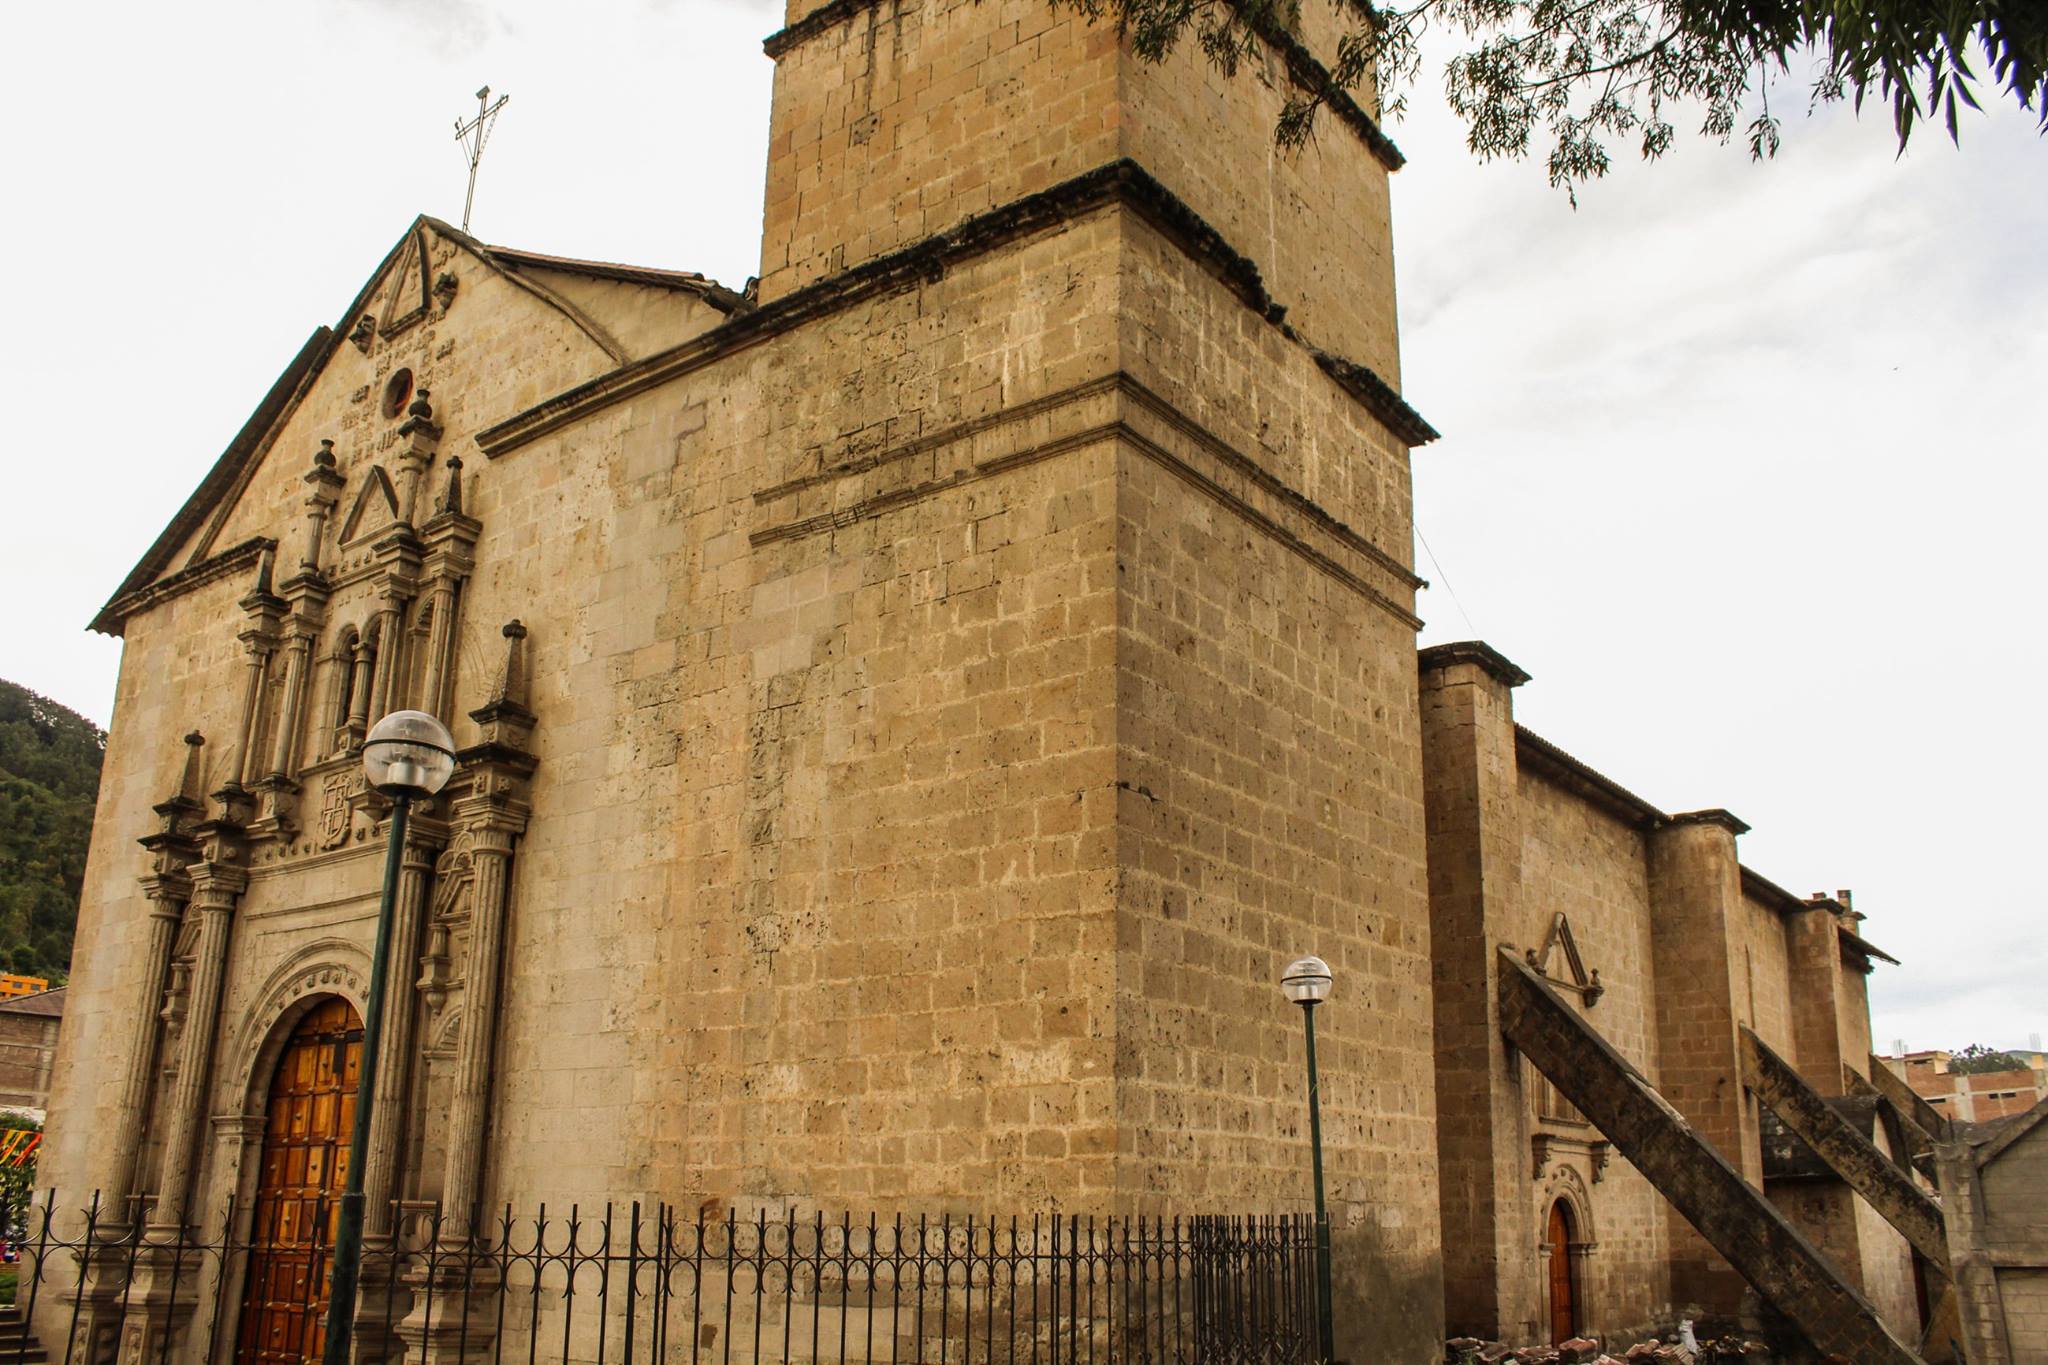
<point>48,1004</point>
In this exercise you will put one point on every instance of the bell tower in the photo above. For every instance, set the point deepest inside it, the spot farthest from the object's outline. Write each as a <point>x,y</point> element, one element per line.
<point>897,120</point>
<point>1117,381</point>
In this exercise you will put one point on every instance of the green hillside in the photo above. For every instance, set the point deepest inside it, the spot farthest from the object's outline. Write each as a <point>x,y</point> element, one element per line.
<point>49,775</point>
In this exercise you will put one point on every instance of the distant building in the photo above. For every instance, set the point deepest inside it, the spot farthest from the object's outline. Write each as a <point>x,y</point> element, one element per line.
<point>1991,1182</point>
<point>12,985</point>
<point>1973,1097</point>
<point>28,1044</point>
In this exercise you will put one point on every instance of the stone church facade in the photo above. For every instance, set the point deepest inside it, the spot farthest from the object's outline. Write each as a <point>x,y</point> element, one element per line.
<point>908,712</point>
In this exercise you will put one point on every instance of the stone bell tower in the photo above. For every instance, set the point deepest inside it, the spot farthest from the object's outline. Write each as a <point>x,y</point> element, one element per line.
<point>895,120</point>
<point>1196,376</point>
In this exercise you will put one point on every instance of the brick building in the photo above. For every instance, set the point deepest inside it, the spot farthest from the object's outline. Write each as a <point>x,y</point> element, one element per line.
<point>1973,1096</point>
<point>28,1048</point>
<point>909,709</point>
<point>13,984</point>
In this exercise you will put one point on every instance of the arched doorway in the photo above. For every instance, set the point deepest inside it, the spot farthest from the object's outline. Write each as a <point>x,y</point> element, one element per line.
<point>307,1118</point>
<point>1564,1308</point>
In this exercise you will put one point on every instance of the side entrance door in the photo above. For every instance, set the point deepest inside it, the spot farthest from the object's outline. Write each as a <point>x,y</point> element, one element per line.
<point>1563,1308</point>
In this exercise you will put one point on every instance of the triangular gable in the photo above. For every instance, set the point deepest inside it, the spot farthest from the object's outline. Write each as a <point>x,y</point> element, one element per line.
<point>376,506</point>
<point>400,280</point>
<point>408,300</point>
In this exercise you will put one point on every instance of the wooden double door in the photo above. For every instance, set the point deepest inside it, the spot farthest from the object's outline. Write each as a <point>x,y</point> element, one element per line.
<point>310,1114</point>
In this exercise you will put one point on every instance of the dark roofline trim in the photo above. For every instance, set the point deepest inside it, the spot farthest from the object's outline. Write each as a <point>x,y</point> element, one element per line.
<point>703,286</point>
<point>228,561</point>
<point>226,470</point>
<point>1756,884</point>
<point>1548,761</point>
<point>1303,68</point>
<point>2016,1127</point>
<point>1539,755</point>
<point>1864,946</point>
<point>1123,183</point>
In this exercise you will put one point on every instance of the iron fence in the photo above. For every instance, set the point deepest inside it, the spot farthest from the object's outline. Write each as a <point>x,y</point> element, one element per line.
<point>627,1283</point>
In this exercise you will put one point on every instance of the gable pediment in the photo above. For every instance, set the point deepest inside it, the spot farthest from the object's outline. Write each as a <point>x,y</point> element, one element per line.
<point>428,274</point>
<point>375,507</point>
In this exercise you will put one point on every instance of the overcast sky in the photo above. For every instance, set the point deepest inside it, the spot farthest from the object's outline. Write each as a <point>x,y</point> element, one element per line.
<point>1741,462</point>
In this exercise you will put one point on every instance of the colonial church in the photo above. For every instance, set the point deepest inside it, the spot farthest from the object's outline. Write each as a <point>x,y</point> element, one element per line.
<point>909,709</point>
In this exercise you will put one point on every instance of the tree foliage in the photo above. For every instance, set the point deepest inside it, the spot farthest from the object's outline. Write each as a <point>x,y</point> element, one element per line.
<point>1977,1060</point>
<point>49,778</point>
<point>1590,74</point>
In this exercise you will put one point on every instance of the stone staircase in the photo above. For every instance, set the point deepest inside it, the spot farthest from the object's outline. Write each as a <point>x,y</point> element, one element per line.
<point>17,1346</point>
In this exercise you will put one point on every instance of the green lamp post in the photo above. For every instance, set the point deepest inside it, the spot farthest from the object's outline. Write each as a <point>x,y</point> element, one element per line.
<point>408,756</point>
<point>1307,983</point>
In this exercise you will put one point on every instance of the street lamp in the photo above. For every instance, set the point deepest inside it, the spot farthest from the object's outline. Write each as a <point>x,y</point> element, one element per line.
<point>407,756</point>
<point>1306,982</point>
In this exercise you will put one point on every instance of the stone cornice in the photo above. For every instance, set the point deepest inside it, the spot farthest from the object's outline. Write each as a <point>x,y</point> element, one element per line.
<point>1490,660</point>
<point>1715,816</point>
<point>219,566</point>
<point>1303,68</point>
<point>1122,183</point>
<point>1533,753</point>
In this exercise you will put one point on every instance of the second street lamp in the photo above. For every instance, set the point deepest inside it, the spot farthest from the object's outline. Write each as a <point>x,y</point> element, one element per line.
<point>408,756</point>
<point>1307,983</point>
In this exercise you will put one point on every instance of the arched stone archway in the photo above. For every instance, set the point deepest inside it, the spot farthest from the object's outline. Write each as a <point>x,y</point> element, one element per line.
<point>1564,1218</point>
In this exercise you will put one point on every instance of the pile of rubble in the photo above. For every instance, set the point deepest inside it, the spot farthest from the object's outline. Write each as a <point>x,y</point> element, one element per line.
<point>1679,1347</point>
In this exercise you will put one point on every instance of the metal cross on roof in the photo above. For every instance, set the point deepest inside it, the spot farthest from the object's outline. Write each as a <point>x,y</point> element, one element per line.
<point>472,135</point>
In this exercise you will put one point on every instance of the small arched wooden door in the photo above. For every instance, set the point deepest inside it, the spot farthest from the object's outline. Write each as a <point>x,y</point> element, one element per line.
<point>305,1158</point>
<point>1564,1308</point>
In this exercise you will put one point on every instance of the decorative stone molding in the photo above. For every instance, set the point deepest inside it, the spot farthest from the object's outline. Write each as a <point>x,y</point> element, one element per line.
<point>328,966</point>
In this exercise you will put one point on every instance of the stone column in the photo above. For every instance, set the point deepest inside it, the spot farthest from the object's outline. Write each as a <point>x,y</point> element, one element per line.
<point>394,1075</point>
<point>168,896</point>
<point>359,690</point>
<point>326,482</point>
<point>422,440</point>
<point>1695,918</point>
<point>248,765</point>
<point>284,758</point>
<point>264,609</point>
<point>216,886</point>
<point>390,648</point>
<point>468,1106</point>
<point>1491,1288</point>
<point>433,696</point>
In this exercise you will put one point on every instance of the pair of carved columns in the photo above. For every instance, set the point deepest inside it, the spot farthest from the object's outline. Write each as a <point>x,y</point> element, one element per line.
<point>218,881</point>
<point>494,833</point>
<point>394,1076</point>
<point>265,610</point>
<point>169,889</point>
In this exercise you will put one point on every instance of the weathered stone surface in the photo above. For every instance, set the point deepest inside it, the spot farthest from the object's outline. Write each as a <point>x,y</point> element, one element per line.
<point>1849,1154</point>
